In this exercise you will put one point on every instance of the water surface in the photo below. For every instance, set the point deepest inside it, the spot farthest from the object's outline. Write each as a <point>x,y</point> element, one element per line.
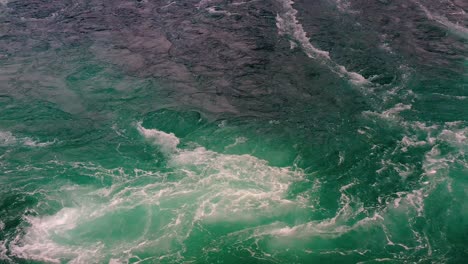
<point>216,131</point>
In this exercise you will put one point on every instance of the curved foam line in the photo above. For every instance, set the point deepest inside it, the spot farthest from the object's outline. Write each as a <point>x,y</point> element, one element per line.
<point>288,24</point>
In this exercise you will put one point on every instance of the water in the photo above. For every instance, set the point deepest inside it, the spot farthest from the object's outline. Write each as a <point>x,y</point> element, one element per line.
<point>331,131</point>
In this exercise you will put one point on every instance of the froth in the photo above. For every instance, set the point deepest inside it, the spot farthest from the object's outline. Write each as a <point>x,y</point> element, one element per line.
<point>250,188</point>
<point>203,187</point>
<point>287,24</point>
<point>37,243</point>
<point>456,28</point>
<point>8,139</point>
<point>167,141</point>
<point>3,251</point>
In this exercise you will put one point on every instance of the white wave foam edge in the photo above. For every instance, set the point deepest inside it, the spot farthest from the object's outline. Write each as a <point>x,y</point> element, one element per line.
<point>288,24</point>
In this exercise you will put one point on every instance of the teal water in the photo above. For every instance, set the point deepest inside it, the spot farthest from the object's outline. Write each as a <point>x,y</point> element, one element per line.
<point>233,132</point>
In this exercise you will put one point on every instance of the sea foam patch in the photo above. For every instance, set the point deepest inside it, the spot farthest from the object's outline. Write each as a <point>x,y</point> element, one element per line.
<point>167,141</point>
<point>201,188</point>
<point>8,139</point>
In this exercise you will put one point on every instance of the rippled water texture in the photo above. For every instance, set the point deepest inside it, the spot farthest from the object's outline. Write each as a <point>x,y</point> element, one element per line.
<point>230,131</point>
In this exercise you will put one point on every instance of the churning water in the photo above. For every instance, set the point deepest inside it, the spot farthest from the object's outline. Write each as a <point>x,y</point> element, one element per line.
<point>230,131</point>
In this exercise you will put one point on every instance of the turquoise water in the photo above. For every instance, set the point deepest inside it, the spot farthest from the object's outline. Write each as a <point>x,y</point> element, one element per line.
<point>233,132</point>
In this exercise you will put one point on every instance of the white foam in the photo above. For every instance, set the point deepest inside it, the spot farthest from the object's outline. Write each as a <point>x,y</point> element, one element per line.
<point>344,6</point>
<point>353,76</point>
<point>38,242</point>
<point>436,164</point>
<point>407,142</point>
<point>392,112</point>
<point>456,28</point>
<point>287,24</point>
<point>434,161</point>
<point>167,141</point>
<point>292,44</point>
<point>330,227</point>
<point>325,228</point>
<point>341,156</point>
<point>455,136</point>
<point>168,5</point>
<point>115,261</point>
<point>215,11</point>
<point>202,186</point>
<point>412,199</point>
<point>3,251</point>
<point>453,133</point>
<point>285,231</point>
<point>416,199</point>
<point>240,2</point>
<point>458,97</point>
<point>386,47</point>
<point>32,143</point>
<point>238,141</point>
<point>263,187</point>
<point>7,138</point>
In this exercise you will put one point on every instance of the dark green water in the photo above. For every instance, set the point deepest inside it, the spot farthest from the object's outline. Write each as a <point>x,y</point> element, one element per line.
<point>328,131</point>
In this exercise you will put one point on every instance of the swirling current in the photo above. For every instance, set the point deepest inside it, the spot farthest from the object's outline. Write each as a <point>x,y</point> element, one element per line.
<point>233,131</point>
